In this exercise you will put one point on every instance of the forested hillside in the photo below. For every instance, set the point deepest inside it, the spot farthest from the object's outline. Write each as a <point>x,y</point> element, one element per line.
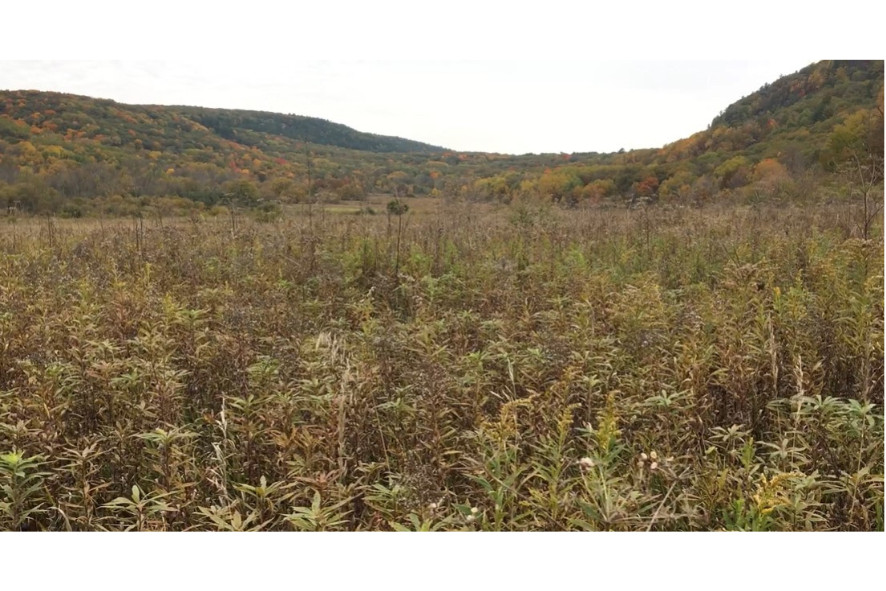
<point>76,155</point>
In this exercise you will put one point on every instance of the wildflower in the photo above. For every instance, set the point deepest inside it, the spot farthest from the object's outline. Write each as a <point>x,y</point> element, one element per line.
<point>653,465</point>
<point>470,518</point>
<point>644,457</point>
<point>586,463</point>
<point>474,510</point>
<point>433,506</point>
<point>653,455</point>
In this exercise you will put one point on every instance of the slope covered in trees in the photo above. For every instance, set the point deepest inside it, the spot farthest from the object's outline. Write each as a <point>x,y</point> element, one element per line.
<point>237,125</point>
<point>178,128</point>
<point>58,152</point>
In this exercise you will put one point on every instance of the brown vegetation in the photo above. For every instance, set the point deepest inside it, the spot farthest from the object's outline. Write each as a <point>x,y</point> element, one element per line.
<point>525,369</point>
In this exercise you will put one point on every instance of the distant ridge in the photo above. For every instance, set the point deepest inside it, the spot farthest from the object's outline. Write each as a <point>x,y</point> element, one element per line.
<point>110,119</point>
<point>782,142</point>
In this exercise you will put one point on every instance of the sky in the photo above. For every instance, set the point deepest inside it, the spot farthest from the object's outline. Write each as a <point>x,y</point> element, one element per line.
<point>505,106</point>
<point>471,75</point>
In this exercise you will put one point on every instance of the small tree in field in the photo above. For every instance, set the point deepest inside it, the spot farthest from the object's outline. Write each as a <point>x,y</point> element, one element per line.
<point>855,149</point>
<point>865,179</point>
<point>397,208</point>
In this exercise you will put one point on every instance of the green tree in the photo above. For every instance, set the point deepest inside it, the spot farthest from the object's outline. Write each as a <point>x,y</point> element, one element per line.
<point>733,173</point>
<point>242,191</point>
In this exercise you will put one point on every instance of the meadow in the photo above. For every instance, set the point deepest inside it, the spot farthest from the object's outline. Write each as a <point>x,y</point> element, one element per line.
<point>459,367</point>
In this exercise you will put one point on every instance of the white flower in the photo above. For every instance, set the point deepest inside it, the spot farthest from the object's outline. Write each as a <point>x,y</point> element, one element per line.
<point>470,518</point>
<point>653,455</point>
<point>474,510</point>
<point>653,465</point>
<point>586,463</point>
<point>433,506</point>
<point>644,457</point>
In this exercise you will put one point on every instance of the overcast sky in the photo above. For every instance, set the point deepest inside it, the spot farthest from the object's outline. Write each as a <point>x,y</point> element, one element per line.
<point>493,106</point>
<point>468,75</point>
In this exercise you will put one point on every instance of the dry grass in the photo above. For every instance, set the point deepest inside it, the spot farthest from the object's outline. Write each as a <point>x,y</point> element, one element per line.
<point>527,369</point>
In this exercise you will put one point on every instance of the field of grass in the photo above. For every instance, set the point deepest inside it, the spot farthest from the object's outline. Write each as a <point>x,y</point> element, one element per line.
<point>377,204</point>
<point>519,369</point>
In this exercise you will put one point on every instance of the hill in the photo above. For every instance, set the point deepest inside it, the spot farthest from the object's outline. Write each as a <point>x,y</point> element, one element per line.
<point>793,119</point>
<point>236,125</point>
<point>177,128</point>
<point>59,152</point>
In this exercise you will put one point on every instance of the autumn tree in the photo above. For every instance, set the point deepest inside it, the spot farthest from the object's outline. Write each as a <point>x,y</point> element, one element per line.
<point>31,194</point>
<point>770,175</point>
<point>597,190</point>
<point>733,173</point>
<point>283,189</point>
<point>558,184</point>
<point>242,191</point>
<point>397,208</point>
<point>865,185</point>
<point>647,188</point>
<point>493,188</point>
<point>856,151</point>
<point>858,137</point>
<point>703,189</point>
<point>677,186</point>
